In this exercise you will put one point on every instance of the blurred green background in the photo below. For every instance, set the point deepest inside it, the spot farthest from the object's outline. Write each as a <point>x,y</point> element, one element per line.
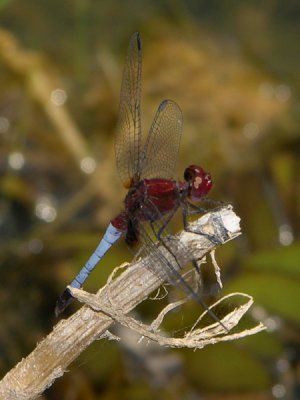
<point>233,67</point>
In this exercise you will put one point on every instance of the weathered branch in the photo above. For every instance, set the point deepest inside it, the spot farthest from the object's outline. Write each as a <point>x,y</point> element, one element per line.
<point>70,337</point>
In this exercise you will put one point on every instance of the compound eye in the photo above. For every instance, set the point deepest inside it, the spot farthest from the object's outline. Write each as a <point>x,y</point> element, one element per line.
<point>197,182</point>
<point>188,175</point>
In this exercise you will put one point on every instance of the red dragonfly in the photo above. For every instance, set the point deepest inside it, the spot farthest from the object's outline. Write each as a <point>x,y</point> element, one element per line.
<point>146,170</point>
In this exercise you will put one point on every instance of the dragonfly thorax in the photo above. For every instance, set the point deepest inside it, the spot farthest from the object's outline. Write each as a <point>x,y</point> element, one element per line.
<point>151,198</point>
<point>199,182</point>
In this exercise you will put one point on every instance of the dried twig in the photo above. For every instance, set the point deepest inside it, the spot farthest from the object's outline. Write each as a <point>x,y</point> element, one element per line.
<point>196,338</point>
<point>70,337</point>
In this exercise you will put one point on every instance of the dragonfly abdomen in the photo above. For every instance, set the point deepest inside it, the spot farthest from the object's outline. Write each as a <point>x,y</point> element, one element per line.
<point>111,235</point>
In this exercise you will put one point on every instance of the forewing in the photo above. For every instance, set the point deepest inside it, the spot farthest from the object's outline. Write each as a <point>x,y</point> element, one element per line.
<point>162,256</point>
<point>128,133</point>
<point>165,257</point>
<point>160,152</point>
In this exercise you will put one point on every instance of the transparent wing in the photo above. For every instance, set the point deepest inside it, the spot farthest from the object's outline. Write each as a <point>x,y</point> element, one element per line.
<point>160,152</point>
<point>164,254</point>
<point>128,133</point>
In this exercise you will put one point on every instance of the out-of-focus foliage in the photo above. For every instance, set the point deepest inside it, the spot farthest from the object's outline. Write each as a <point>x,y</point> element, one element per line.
<point>3,3</point>
<point>233,67</point>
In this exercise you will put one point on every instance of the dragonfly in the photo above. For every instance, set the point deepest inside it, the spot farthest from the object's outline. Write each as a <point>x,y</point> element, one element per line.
<point>146,169</point>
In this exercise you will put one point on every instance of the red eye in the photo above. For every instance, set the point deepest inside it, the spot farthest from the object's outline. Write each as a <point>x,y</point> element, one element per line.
<point>200,182</point>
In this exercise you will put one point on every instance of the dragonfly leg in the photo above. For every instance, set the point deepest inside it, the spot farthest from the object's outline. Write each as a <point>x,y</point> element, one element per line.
<point>169,250</point>
<point>188,289</point>
<point>160,231</point>
<point>213,202</point>
<point>159,236</point>
<point>196,266</point>
<point>177,278</point>
<point>194,209</point>
<point>186,212</point>
<point>165,245</point>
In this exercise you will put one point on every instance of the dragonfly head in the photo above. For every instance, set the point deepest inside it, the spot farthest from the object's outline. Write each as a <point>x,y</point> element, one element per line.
<point>199,181</point>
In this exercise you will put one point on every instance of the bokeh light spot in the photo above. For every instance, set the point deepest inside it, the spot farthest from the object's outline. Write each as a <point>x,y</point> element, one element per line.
<point>286,236</point>
<point>278,391</point>
<point>251,130</point>
<point>16,160</point>
<point>45,210</point>
<point>58,97</point>
<point>282,92</point>
<point>4,125</point>
<point>88,165</point>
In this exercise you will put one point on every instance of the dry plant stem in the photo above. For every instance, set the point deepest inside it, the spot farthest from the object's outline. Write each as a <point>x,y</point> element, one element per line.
<point>196,338</point>
<point>70,337</point>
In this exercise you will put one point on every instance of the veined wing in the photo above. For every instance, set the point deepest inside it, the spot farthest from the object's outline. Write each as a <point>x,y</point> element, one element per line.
<point>160,152</point>
<point>128,134</point>
<point>166,257</point>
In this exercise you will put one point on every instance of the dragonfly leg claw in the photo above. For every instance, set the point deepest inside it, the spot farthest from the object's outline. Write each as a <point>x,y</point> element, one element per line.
<point>63,301</point>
